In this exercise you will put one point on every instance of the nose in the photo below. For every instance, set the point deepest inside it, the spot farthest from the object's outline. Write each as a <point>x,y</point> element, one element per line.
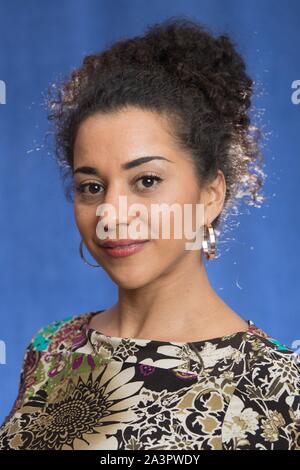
<point>113,214</point>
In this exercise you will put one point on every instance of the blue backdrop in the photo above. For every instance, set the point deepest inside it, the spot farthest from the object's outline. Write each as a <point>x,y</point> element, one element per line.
<point>42,276</point>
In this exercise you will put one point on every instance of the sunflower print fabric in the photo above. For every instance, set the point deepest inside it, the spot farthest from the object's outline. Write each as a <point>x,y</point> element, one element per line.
<point>80,389</point>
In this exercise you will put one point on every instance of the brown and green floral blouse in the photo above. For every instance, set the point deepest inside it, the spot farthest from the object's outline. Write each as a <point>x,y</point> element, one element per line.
<point>81,389</point>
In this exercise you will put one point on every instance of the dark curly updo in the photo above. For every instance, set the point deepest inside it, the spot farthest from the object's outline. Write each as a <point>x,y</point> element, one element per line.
<point>198,81</point>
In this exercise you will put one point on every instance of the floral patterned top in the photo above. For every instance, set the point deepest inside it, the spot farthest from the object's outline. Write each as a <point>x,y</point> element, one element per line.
<point>80,389</point>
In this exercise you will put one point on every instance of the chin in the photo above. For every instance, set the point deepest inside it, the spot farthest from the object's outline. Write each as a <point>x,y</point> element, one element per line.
<point>129,285</point>
<point>130,280</point>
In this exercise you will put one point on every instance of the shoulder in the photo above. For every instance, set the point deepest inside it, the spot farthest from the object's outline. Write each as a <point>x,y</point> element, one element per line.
<point>59,335</point>
<point>264,409</point>
<point>263,349</point>
<point>269,361</point>
<point>51,340</point>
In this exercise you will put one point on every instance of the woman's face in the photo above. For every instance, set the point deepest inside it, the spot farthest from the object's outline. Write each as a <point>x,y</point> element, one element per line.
<point>104,143</point>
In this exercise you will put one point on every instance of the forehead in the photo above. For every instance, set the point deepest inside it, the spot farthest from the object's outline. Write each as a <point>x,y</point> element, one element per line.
<point>128,131</point>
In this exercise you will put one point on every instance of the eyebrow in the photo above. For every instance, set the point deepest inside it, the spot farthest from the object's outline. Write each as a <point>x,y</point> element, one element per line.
<point>88,170</point>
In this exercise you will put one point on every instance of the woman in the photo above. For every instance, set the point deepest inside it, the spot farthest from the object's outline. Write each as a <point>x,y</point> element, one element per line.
<point>161,118</point>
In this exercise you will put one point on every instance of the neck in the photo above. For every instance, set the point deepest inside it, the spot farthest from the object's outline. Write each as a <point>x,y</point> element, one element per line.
<point>180,305</point>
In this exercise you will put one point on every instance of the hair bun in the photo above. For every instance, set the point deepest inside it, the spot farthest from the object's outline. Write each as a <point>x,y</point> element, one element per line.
<point>189,52</point>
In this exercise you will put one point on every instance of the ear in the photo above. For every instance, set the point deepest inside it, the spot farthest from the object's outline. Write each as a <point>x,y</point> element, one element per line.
<point>213,197</point>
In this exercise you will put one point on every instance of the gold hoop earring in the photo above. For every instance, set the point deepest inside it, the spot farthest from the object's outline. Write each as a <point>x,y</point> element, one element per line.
<point>82,256</point>
<point>212,243</point>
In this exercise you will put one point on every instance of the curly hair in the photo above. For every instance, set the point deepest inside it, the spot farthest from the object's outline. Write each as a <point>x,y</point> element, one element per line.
<point>179,69</point>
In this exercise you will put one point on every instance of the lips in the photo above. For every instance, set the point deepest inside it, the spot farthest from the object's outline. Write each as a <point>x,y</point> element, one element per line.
<point>121,243</point>
<point>128,247</point>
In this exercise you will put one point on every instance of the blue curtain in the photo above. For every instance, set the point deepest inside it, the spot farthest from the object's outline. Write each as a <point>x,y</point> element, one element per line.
<point>42,276</point>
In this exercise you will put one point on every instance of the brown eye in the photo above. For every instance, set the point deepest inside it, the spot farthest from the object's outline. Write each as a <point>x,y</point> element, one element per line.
<point>94,188</point>
<point>89,189</point>
<point>148,181</point>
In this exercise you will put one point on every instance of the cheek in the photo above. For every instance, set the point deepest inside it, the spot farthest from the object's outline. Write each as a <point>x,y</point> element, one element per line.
<point>169,224</point>
<point>170,248</point>
<point>85,220</point>
<point>177,221</point>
